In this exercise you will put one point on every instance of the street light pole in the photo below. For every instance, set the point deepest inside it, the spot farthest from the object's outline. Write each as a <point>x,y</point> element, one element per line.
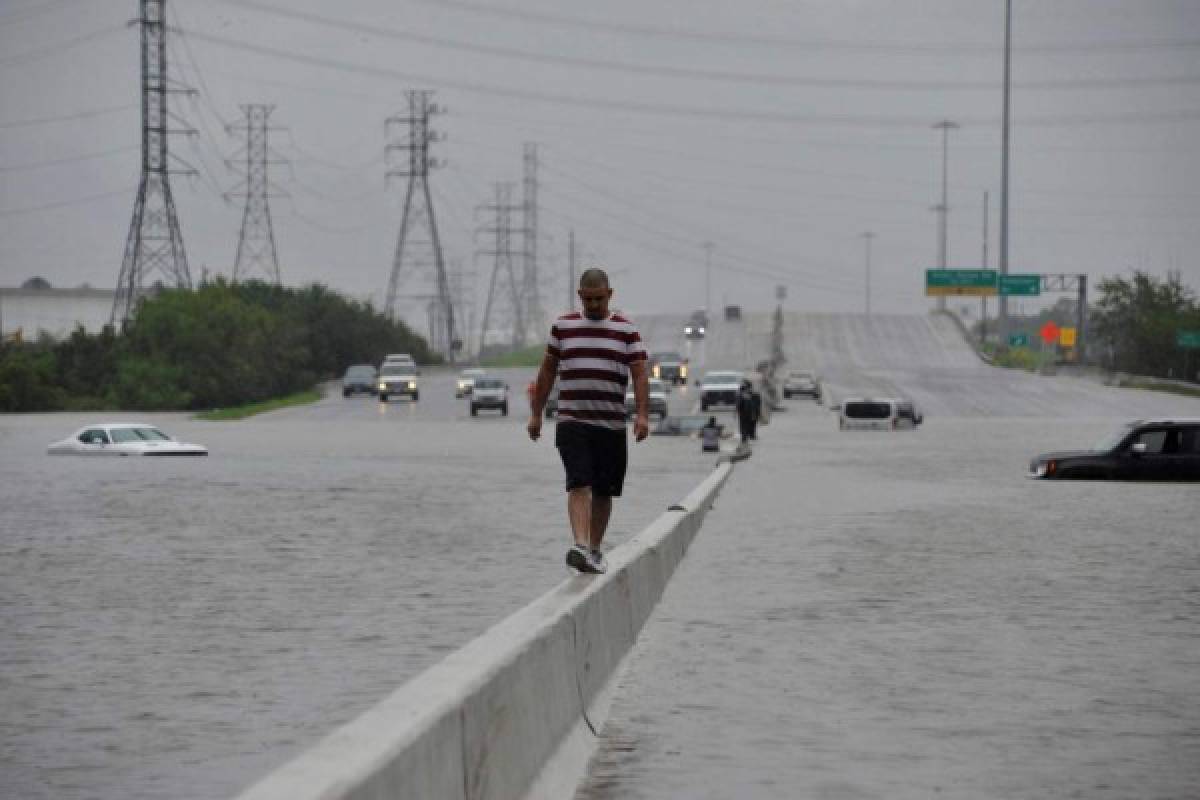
<point>867,237</point>
<point>708,248</point>
<point>1002,301</point>
<point>944,209</point>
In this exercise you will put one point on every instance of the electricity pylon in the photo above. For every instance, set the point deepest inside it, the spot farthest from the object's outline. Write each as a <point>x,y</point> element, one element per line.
<point>502,263</point>
<point>154,242</point>
<point>256,242</point>
<point>531,288</point>
<point>418,212</point>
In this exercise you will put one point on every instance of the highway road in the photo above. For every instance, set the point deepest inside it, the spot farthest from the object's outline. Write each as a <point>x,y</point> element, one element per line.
<point>193,623</point>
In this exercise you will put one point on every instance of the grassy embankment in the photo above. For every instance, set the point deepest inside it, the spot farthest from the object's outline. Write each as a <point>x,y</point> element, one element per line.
<point>1157,386</point>
<point>250,409</point>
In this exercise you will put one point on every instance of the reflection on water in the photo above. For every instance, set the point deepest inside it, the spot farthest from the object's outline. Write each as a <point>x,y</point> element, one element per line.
<point>178,627</point>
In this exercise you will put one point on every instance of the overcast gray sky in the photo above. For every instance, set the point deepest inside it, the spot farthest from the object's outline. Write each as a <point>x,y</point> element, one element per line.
<point>780,130</point>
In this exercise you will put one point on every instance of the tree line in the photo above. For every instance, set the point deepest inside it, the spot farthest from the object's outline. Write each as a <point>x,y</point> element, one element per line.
<point>217,346</point>
<point>1133,326</point>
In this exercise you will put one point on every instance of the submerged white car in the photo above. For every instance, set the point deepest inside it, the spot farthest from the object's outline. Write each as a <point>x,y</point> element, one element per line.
<point>123,439</point>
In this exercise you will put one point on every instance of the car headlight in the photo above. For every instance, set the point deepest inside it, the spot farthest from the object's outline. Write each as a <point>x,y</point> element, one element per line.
<point>382,386</point>
<point>1043,468</point>
<point>683,371</point>
<point>412,384</point>
<point>701,329</point>
<point>657,371</point>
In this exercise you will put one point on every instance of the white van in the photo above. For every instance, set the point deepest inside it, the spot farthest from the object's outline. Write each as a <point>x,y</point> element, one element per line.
<point>877,414</point>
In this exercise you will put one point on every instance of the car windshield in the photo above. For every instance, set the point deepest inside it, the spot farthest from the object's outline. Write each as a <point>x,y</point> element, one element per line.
<point>396,371</point>
<point>489,383</point>
<point>1112,440</point>
<point>670,358</point>
<point>801,376</point>
<point>138,435</point>
<point>471,373</point>
<point>868,410</point>
<point>359,373</point>
<point>723,377</point>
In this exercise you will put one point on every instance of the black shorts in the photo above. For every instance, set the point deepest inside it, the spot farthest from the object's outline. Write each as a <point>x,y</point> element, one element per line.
<point>592,456</point>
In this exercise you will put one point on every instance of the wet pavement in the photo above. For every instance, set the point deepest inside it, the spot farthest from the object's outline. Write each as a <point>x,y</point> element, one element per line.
<point>905,615</point>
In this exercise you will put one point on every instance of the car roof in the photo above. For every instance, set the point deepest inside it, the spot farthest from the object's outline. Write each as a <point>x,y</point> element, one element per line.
<point>1167,421</point>
<point>118,425</point>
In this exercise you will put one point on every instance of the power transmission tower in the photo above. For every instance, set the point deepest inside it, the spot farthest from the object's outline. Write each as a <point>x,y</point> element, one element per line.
<point>154,242</point>
<point>502,263</point>
<point>256,243</point>
<point>532,289</point>
<point>418,217</point>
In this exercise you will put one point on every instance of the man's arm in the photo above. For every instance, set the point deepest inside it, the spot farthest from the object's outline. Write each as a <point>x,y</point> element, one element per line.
<point>641,399</point>
<point>541,391</point>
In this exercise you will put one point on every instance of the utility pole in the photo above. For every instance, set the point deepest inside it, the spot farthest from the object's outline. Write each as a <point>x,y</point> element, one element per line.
<point>529,209</point>
<point>983,298</point>
<point>944,209</point>
<point>502,263</point>
<point>1002,301</point>
<point>867,237</point>
<point>418,211</point>
<point>154,242</point>
<point>256,242</point>
<point>708,250</point>
<point>571,270</point>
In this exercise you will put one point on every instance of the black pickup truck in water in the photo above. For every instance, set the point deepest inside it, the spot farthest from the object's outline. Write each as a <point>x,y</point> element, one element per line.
<point>1146,450</point>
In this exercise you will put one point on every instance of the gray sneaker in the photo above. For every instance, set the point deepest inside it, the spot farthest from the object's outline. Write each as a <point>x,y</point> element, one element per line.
<point>579,558</point>
<point>599,562</point>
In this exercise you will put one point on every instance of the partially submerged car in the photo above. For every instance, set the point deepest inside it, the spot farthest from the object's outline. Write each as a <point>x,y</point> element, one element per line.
<point>683,425</point>
<point>658,399</point>
<point>466,381</point>
<point>489,393</point>
<point>123,439</point>
<point>359,378</point>
<point>877,414</point>
<point>802,382</point>
<point>1149,450</point>
<point>719,388</point>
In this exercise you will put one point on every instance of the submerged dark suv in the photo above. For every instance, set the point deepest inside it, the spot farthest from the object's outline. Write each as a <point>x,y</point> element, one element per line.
<point>1148,450</point>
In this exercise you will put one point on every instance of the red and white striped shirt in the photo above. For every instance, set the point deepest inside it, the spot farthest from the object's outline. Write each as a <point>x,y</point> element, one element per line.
<point>593,366</point>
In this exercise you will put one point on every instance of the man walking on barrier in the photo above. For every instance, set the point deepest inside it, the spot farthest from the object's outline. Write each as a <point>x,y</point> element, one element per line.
<point>593,355</point>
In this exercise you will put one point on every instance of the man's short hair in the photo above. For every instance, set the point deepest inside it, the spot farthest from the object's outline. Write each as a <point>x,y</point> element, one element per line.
<point>594,278</point>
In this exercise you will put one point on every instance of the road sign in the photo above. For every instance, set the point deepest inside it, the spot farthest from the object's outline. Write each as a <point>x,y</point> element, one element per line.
<point>971,282</point>
<point>1049,333</point>
<point>1066,337</point>
<point>1189,340</point>
<point>1022,285</point>
<point>1018,340</point>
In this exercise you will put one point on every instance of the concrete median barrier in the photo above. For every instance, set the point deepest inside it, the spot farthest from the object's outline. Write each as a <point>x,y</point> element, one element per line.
<point>515,713</point>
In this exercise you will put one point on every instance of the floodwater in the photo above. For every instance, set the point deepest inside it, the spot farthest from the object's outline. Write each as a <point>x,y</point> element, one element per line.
<point>179,627</point>
<point>905,615</point>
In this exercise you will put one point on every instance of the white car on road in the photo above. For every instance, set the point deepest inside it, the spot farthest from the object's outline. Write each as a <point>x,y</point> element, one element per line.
<point>719,389</point>
<point>123,439</point>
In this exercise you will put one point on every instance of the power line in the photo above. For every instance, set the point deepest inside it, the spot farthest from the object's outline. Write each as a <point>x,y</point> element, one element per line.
<point>95,112</point>
<point>68,159</point>
<point>982,49</point>
<point>59,47</point>
<point>692,73</point>
<point>78,201</point>
<point>693,112</point>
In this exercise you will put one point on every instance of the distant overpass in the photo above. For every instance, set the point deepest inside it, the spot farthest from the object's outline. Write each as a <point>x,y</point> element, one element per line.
<point>924,357</point>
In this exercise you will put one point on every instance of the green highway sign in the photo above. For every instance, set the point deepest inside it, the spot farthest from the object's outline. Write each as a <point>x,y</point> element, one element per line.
<point>971,282</point>
<point>1188,339</point>
<point>1023,285</point>
<point>1018,340</point>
